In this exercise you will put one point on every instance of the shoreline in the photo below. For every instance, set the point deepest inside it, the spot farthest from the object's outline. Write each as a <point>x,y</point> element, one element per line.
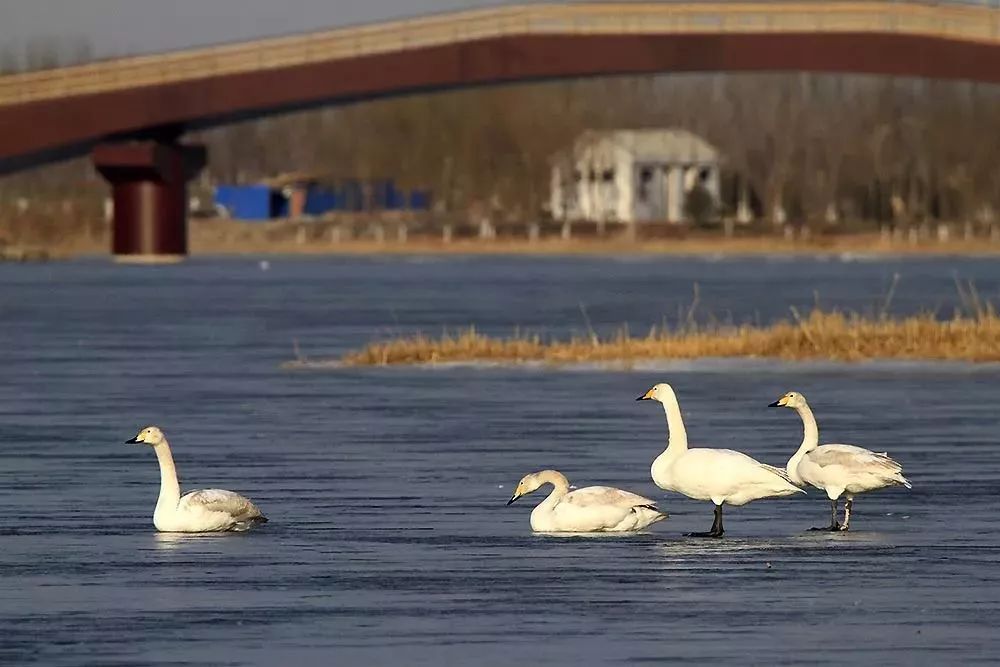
<point>860,245</point>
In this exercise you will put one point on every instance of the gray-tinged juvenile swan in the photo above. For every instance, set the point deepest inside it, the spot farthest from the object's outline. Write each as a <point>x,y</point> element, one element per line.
<point>208,510</point>
<point>720,475</point>
<point>588,510</point>
<point>836,469</point>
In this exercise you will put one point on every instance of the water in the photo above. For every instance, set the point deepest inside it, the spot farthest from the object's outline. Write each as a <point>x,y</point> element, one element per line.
<point>389,541</point>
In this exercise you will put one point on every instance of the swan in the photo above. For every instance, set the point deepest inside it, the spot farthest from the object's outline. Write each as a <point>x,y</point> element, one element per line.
<point>720,475</point>
<point>588,510</point>
<point>208,510</point>
<point>836,469</point>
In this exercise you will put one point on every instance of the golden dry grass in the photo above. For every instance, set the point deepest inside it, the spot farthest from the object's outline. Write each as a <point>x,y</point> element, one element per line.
<point>822,335</point>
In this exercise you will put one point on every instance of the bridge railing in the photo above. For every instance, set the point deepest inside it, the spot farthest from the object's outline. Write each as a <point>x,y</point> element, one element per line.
<point>954,21</point>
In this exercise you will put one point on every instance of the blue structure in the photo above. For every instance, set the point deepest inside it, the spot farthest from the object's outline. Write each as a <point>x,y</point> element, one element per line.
<point>250,202</point>
<point>320,200</point>
<point>268,202</point>
<point>420,200</point>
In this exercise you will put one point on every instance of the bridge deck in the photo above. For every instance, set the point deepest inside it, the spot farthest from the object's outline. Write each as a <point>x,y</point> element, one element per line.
<point>969,23</point>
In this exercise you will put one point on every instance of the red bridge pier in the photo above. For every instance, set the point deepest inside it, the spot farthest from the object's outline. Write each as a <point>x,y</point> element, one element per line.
<point>149,190</point>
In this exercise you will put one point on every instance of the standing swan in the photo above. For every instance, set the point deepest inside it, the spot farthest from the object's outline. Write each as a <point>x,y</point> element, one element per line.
<point>208,510</point>
<point>836,469</point>
<point>720,475</point>
<point>588,510</point>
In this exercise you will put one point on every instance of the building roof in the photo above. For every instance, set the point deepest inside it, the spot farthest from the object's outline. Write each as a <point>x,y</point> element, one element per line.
<point>652,145</point>
<point>289,178</point>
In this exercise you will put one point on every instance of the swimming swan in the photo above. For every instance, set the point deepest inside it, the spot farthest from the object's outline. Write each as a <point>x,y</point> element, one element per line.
<point>836,469</point>
<point>208,510</point>
<point>588,510</point>
<point>720,475</point>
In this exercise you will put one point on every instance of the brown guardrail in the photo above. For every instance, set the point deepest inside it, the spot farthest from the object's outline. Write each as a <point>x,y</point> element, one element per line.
<point>959,22</point>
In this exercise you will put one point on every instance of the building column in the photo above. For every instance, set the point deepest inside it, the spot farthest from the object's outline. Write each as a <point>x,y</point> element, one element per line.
<point>583,197</point>
<point>675,194</point>
<point>624,175</point>
<point>149,190</point>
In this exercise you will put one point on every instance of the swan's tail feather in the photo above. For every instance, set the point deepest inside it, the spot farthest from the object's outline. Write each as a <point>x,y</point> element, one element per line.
<point>652,508</point>
<point>247,524</point>
<point>783,474</point>
<point>895,468</point>
<point>889,462</point>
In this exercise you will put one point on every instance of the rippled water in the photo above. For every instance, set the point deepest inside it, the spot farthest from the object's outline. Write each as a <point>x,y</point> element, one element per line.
<point>389,541</point>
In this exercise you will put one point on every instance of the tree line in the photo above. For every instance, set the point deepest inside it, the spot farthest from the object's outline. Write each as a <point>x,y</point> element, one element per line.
<point>817,149</point>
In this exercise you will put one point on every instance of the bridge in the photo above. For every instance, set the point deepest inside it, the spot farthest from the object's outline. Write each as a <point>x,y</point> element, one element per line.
<point>131,113</point>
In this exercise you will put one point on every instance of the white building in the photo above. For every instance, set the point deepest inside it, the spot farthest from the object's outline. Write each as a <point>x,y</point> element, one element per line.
<point>631,175</point>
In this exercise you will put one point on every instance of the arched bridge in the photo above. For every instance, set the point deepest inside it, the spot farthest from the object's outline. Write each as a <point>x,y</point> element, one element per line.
<point>131,112</point>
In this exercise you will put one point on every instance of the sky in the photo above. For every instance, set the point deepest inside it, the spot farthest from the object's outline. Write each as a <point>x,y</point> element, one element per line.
<point>119,27</point>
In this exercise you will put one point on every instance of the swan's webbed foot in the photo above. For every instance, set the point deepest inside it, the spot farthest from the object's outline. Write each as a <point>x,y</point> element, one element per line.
<point>833,528</point>
<point>710,533</point>
<point>834,524</point>
<point>716,530</point>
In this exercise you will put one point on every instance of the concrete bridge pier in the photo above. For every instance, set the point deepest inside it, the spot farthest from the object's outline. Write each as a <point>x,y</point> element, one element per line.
<point>149,191</point>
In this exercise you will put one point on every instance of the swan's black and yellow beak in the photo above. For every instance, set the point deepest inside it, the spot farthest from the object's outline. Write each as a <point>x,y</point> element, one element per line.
<point>513,498</point>
<point>646,397</point>
<point>134,441</point>
<point>780,403</point>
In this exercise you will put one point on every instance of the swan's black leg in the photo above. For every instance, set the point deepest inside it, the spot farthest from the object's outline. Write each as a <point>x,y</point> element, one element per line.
<point>717,530</point>
<point>834,526</point>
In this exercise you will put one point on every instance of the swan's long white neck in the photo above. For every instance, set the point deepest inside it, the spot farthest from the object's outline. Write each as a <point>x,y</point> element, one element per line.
<point>560,486</point>
<point>810,440</point>
<point>170,489</point>
<point>677,441</point>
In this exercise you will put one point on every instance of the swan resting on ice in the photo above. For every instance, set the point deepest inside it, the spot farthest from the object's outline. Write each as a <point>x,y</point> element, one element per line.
<point>587,510</point>
<point>837,469</point>
<point>720,475</point>
<point>207,510</point>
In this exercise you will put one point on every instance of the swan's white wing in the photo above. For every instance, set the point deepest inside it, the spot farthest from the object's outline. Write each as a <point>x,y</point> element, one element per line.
<point>605,495</point>
<point>725,475</point>
<point>853,458</point>
<point>858,464</point>
<point>739,459</point>
<point>601,508</point>
<point>226,502</point>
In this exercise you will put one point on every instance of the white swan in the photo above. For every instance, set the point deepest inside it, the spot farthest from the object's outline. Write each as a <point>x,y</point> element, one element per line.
<point>208,510</point>
<point>720,475</point>
<point>588,510</point>
<point>836,469</point>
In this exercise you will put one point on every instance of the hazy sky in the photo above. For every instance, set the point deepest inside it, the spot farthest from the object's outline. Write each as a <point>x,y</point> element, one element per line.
<point>133,26</point>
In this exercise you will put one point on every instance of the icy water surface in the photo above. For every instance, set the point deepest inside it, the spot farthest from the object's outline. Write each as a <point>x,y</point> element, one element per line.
<point>389,542</point>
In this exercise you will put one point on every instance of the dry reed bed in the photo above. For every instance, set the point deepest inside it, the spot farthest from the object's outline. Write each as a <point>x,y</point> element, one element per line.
<point>821,335</point>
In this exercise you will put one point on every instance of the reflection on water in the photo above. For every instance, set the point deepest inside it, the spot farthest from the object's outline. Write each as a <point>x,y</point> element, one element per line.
<point>389,541</point>
<point>195,541</point>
